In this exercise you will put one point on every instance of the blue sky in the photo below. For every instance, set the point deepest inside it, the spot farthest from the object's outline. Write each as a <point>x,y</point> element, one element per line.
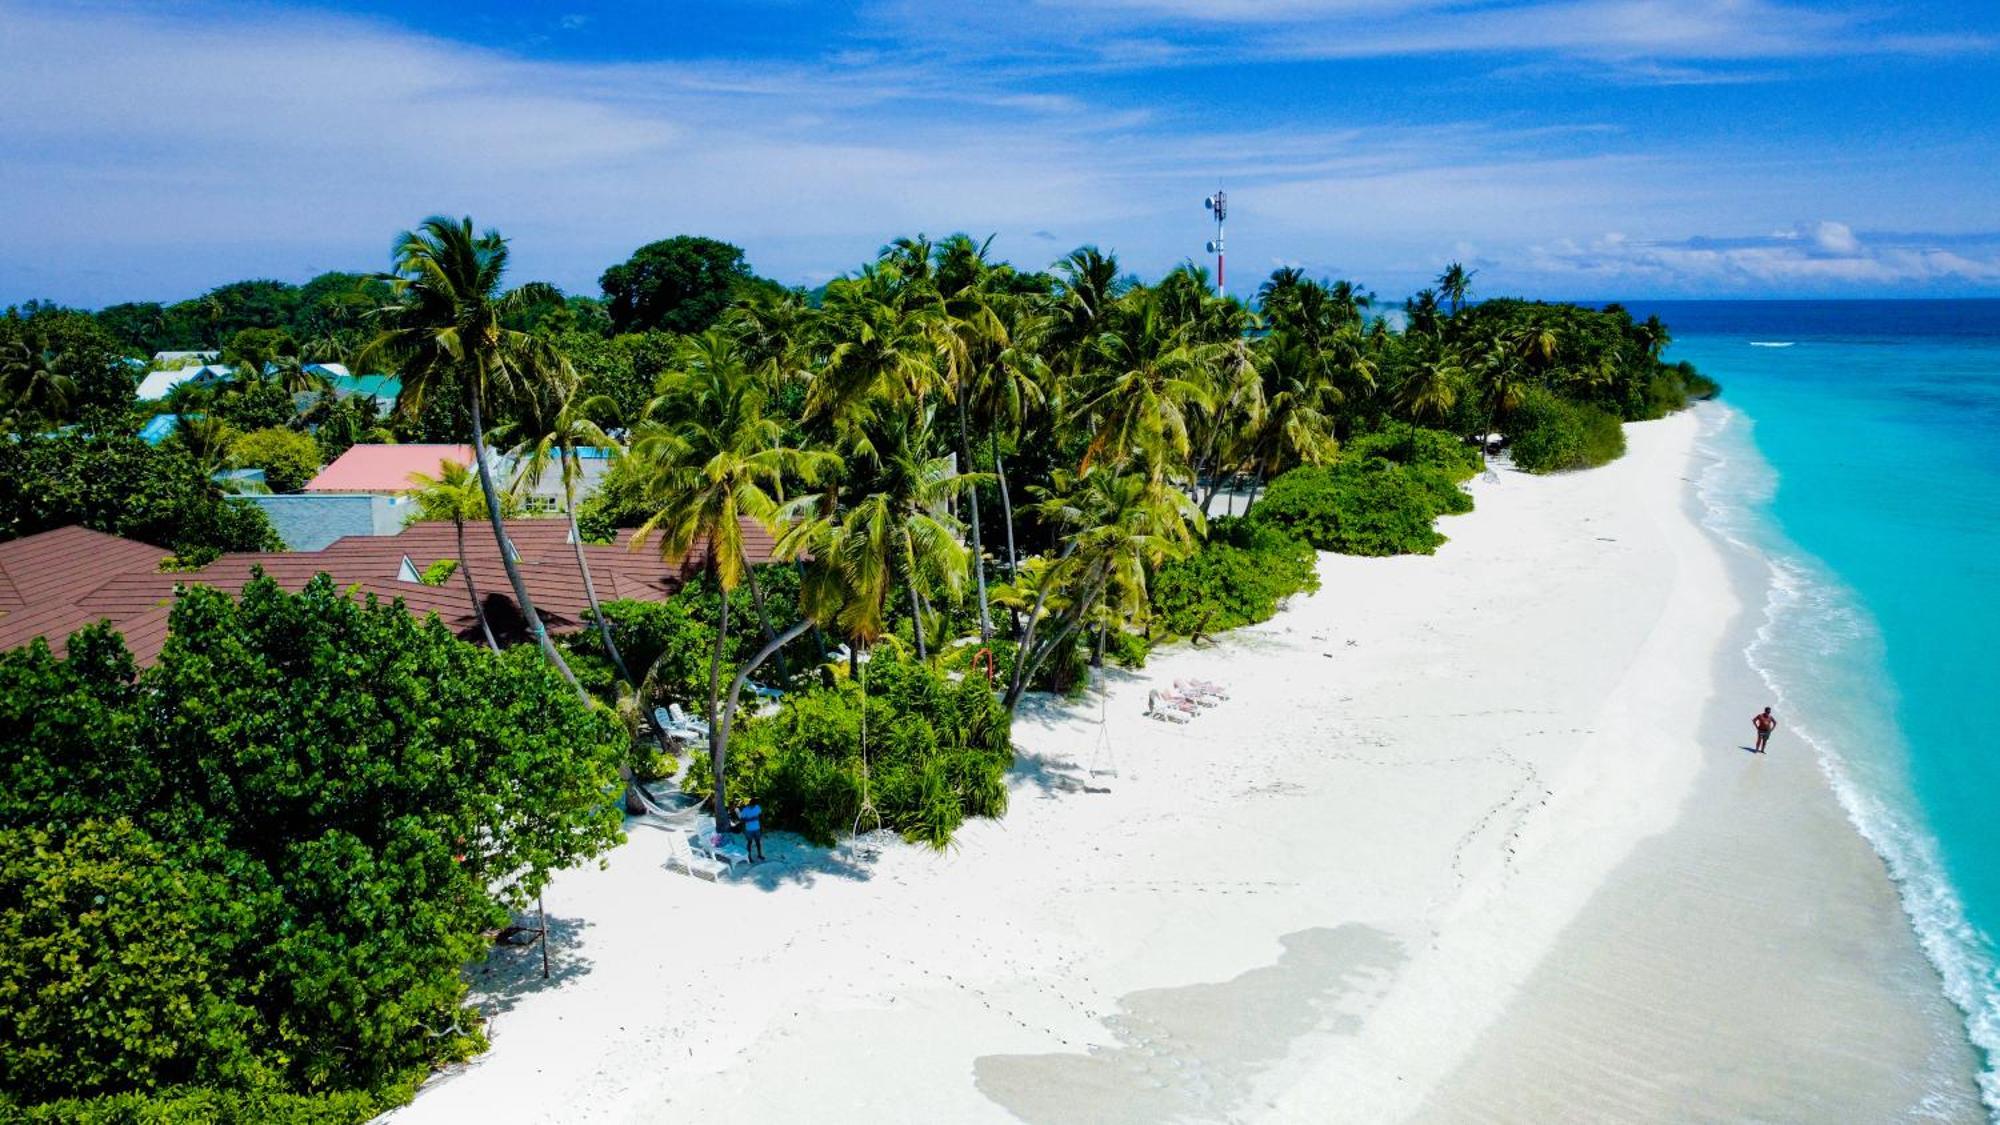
<point>1584,148</point>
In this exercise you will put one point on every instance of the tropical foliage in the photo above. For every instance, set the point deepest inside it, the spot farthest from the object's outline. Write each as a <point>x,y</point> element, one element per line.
<point>122,486</point>
<point>904,746</point>
<point>258,866</point>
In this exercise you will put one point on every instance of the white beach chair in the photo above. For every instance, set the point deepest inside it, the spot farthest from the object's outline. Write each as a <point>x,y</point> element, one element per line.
<point>682,719</point>
<point>679,732</point>
<point>681,857</point>
<point>1192,704</point>
<point>1164,714</point>
<point>703,846</point>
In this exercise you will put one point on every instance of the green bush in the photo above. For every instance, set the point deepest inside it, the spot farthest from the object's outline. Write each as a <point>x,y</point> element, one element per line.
<point>120,485</point>
<point>1127,650</point>
<point>212,1107</point>
<point>289,458</point>
<point>1419,447</point>
<point>439,572</point>
<point>1238,577</point>
<point>261,865</point>
<point>1548,434</point>
<point>115,958</point>
<point>1371,507</point>
<point>938,750</point>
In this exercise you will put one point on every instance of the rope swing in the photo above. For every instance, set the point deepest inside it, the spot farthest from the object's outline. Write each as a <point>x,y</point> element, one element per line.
<point>1102,754</point>
<point>867,798</point>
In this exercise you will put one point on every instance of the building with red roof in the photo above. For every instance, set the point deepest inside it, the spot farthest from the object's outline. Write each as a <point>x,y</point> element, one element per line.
<point>385,468</point>
<point>55,583</point>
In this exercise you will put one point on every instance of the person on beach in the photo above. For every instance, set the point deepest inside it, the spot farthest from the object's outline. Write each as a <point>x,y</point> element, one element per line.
<point>1765,724</point>
<point>751,817</point>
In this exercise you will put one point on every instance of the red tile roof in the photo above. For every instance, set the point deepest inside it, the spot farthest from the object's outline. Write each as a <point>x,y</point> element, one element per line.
<point>385,468</point>
<point>57,582</point>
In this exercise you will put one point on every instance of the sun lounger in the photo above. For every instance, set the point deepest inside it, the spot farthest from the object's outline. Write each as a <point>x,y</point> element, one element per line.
<point>764,691</point>
<point>675,728</point>
<point>682,719</point>
<point>700,866</point>
<point>706,845</point>
<point>1156,710</point>
<point>1189,703</point>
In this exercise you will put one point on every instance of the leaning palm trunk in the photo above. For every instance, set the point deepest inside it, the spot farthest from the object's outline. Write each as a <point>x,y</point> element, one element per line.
<point>721,729</point>
<point>1067,633</point>
<point>535,627</point>
<point>763,613</point>
<point>472,591</point>
<point>1006,509</point>
<point>1018,683</point>
<point>917,625</point>
<point>715,731</point>
<point>589,586</point>
<point>978,546</point>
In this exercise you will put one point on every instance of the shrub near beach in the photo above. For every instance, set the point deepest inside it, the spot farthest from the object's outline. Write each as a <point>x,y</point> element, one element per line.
<point>934,750</point>
<point>1554,435</point>
<point>1238,577</point>
<point>1368,506</point>
<point>259,866</point>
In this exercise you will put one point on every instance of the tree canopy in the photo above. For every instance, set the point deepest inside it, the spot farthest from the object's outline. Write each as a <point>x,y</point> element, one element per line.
<point>680,284</point>
<point>260,865</point>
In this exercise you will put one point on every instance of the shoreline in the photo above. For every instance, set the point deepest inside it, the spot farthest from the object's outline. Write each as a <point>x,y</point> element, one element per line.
<point>1802,990</point>
<point>1321,900</point>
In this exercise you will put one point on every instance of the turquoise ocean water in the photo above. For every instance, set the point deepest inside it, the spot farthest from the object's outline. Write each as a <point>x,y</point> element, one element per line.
<point>1859,458</point>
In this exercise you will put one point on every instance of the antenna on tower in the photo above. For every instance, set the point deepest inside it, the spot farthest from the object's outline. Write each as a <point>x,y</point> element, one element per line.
<point>1218,203</point>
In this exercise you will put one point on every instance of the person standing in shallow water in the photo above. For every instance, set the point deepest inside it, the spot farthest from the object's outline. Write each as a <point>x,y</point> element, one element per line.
<point>1765,722</point>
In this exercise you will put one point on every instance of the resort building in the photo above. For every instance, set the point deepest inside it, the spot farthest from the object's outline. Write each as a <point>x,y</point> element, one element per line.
<point>57,582</point>
<point>386,469</point>
<point>160,382</point>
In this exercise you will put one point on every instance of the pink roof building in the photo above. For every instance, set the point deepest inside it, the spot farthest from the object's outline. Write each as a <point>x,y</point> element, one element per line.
<point>385,468</point>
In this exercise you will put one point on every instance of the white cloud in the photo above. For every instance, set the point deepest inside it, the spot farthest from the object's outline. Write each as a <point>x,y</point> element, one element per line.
<point>153,152</point>
<point>1824,256</point>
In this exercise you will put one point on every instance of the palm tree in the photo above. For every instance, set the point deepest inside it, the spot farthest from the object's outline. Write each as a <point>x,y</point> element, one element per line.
<point>1115,527</point>
<point>454,495</point>
<point>1500,369</point>
<point>1138,400</point>
<point>1430,388</point>
<point>1087,286</point>
<point>1421,311</point>
<point>32,391</point>
<point>1292,429</point>
<point>1456,285</point>
<point>293,374</point>
<point>711,459</point>
<point>881,345</point>
<point>206,439</point>
<point>446,331</point>
<point>971,336</point>
<point>557,437</point>
<point>895,534</point>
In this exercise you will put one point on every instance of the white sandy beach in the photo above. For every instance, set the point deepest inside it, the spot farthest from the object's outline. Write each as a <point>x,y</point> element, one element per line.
<point>1324,899</point>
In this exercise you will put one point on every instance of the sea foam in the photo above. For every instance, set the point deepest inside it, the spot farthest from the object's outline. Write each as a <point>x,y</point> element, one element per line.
<point>1815,635</point>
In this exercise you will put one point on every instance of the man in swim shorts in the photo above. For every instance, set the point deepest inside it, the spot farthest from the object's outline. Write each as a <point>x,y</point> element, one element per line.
<point>1765,724</point>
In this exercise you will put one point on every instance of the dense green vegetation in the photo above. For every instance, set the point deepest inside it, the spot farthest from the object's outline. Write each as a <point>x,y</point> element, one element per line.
<point>289,458</point>
<point>241,884</point>
<point>1238,577</point>
<point>1363,506</point>
<point>1552,434</point>
<point>904,746</point>
<point>120,485</point>
<point>245,880</point>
